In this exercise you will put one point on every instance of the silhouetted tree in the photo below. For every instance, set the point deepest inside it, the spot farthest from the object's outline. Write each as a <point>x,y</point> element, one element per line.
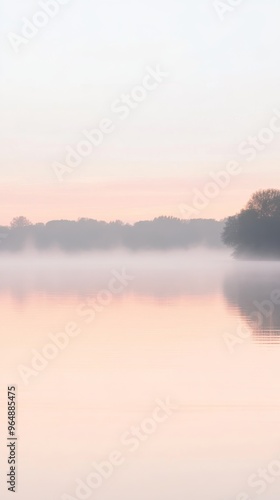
<point>255,231</point>
<point>20,222</point>
<point>266,203</point>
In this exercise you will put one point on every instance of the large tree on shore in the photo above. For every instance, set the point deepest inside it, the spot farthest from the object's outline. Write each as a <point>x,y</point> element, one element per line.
<point>255,231</point>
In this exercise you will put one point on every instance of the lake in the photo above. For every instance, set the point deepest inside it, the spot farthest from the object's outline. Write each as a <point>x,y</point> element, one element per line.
<point>142,376</point>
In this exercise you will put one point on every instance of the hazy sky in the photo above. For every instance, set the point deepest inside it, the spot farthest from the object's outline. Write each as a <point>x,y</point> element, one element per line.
<point>223,86</point>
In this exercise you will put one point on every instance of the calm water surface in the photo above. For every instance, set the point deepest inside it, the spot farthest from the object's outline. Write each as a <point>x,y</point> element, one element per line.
<point>185,328</point>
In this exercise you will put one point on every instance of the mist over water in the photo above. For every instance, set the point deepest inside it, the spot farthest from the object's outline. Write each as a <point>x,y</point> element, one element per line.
<point>159,332</point>
<point>244,286</point>
<point>159,274</point>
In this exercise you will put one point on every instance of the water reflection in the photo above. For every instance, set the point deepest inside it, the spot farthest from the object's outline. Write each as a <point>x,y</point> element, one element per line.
<point>253,289</point>
<point>162,337</point>
<point>159,275</point>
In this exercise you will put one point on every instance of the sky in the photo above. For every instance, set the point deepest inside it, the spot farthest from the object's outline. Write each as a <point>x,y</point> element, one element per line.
<point>220,86</point>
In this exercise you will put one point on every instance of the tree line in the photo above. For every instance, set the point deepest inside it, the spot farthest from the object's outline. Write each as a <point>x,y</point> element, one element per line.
<point>253,233</point>
<point>162,233</point>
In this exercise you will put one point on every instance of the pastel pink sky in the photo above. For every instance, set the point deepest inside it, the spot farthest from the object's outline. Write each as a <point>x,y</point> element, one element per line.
<point>128,201</point>
<point>222,86</point>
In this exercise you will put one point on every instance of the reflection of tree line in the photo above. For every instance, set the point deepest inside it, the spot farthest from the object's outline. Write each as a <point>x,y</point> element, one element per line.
<point>81,277</point>
<point>256,295</point>
<point>163,233</point>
